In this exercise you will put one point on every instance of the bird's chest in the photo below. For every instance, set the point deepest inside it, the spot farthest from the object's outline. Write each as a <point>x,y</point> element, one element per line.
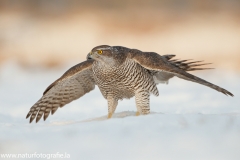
<point>111,81</point>
<point>107,75</point>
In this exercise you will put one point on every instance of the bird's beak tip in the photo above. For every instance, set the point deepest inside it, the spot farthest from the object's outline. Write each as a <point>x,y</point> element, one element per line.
<point>89,56</point>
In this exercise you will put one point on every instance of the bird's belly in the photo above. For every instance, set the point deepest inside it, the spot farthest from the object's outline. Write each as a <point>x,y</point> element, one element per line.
<point>114,88</point>
<point>123,82</point>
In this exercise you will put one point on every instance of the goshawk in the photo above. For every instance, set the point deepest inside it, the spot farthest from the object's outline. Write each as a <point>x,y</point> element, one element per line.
<point>120,73</point>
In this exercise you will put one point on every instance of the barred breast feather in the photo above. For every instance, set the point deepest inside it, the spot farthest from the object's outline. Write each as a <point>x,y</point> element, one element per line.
<point>124,80</point>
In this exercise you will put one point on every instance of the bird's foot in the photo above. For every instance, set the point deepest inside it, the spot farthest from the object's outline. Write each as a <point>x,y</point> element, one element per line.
<point>109,115</point>
<point>137,113</point>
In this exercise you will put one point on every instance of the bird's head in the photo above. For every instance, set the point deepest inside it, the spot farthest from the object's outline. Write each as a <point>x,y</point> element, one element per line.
<point>103,53</point>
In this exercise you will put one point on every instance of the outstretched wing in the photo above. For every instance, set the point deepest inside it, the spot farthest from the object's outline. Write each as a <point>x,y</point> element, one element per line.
<point>73,84</point>
<point>153,61</point>
<point>186,65</point>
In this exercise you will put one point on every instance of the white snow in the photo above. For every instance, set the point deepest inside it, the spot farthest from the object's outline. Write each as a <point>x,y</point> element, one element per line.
<point>188,121</point>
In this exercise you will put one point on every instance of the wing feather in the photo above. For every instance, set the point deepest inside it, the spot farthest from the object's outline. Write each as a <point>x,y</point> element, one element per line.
<point>153,61</point>
<point>73,84</point>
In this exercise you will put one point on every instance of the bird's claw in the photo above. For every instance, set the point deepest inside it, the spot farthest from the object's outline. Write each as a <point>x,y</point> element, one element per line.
<point>137,113</point>
<point>109,115</point>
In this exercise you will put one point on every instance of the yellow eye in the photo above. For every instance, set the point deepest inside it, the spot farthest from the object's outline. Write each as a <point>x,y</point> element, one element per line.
<point>99,51</point>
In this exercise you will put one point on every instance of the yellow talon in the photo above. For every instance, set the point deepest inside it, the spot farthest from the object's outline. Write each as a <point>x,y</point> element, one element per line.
<point>137,113</point>
<point>109,115</point>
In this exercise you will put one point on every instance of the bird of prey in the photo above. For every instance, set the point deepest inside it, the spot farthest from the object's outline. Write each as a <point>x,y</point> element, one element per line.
<point>120,73</point>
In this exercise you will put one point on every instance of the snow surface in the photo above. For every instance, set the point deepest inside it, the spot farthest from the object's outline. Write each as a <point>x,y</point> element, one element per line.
<point>188,121</point>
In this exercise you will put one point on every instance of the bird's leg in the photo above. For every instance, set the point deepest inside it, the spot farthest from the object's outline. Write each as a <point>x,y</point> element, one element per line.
<point>137,113</point>
<point>112,104</point>
<point>142,102</point>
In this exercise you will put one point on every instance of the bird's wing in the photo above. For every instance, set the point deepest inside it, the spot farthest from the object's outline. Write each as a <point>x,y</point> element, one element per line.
<point>73,84</point>
<point>186,65</point>
<point>153,61</point>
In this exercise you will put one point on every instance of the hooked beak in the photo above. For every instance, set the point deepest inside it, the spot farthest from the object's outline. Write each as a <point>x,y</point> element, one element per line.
<point>89,55</point>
